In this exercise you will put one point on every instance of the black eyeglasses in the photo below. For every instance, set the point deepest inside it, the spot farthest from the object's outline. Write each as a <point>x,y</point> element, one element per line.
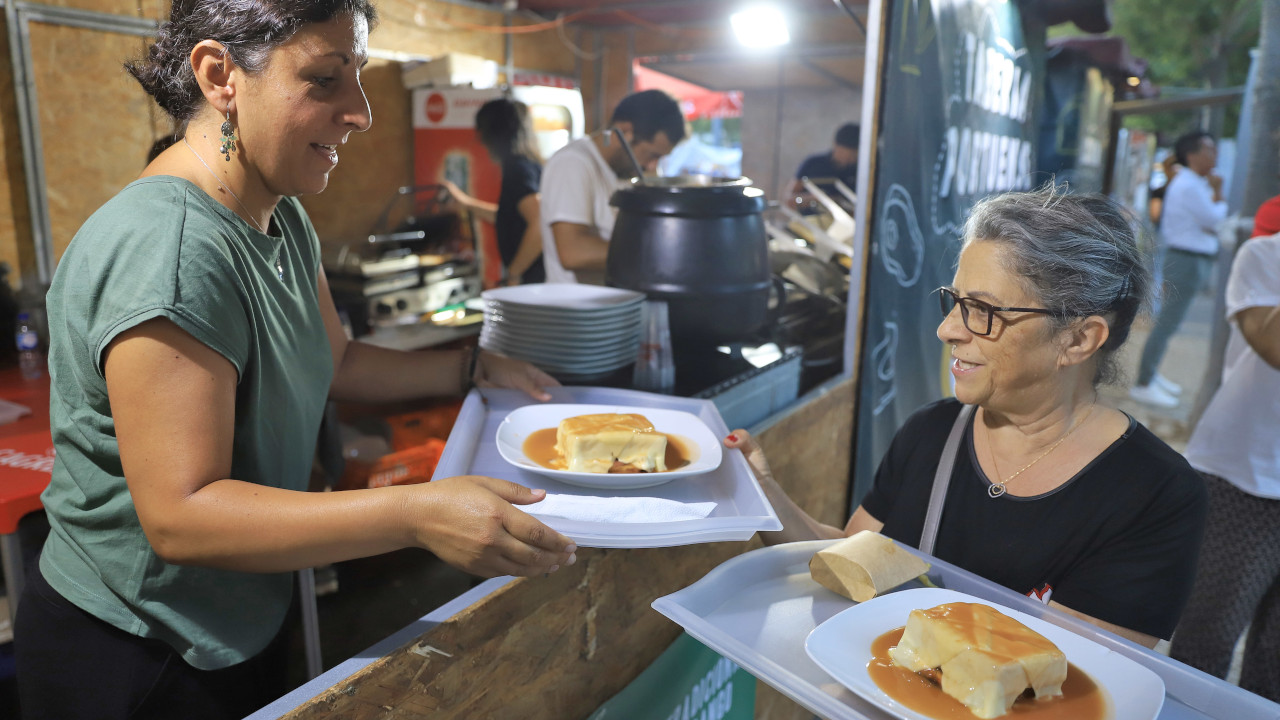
<point>977,314</point>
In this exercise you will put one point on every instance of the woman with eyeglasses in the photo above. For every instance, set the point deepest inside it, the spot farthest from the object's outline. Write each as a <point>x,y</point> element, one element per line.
<point>1051,494</point>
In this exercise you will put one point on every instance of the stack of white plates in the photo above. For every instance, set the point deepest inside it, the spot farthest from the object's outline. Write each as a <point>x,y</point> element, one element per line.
<point>576,333</point>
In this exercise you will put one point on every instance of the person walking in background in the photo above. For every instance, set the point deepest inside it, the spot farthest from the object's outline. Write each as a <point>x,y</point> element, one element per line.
<point>504,129</point>
<point>577,220</point>
<point>1234,447</point>
<point>1193,210</point>
<point>839,163</point>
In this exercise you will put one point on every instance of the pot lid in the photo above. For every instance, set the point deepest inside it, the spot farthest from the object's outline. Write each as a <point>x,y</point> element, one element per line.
<point>691,195</point>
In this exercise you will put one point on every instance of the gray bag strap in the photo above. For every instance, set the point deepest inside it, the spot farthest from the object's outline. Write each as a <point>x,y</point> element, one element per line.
<point>942,479</point>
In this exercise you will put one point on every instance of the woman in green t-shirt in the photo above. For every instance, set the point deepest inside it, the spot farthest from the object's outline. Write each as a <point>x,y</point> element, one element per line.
<point>193,346</point>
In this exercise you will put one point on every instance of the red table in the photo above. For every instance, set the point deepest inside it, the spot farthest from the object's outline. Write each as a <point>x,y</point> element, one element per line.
<point>26,465</point>
<point>26,462</point>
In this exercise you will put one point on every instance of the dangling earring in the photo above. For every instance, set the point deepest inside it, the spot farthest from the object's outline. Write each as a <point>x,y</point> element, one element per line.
<point>228,138</point>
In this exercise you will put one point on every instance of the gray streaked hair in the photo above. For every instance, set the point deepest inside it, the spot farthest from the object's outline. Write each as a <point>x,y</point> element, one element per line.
<point>1077,254</point>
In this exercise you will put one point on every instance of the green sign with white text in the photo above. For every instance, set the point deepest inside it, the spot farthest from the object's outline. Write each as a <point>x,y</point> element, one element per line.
<point>688,681</point>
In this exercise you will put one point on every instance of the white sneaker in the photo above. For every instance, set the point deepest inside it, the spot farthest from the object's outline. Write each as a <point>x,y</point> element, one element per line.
<point>1153,395</point>
<point>1166,385</point>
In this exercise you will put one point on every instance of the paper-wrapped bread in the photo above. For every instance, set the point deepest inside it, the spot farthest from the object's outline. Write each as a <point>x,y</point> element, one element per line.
<point>864,565</point>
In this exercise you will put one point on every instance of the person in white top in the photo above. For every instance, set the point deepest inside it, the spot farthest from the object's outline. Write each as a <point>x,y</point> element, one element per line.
<point>577,182</point>
<point>1193,210</point>
<point>1234,446</point>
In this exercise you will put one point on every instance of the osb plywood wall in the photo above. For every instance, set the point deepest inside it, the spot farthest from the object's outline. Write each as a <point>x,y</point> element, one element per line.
<point>97,123</point>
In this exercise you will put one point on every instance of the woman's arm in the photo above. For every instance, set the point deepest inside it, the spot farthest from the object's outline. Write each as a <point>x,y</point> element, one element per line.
<point>531,243</point>
<point>1260,327</point>
<point>367,373</point>
<point>1133,635</point>
<point>486,211</point>
<point>796,523</point>
<point>173,404</point>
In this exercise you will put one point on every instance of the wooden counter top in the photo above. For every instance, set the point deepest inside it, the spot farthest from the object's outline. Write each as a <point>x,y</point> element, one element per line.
<point>559,646</point>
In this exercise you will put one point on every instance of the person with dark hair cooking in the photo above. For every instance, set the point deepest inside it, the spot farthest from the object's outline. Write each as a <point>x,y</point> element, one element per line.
<point>577,220</point>
<point>1051,493</point>
<point>194,344</point>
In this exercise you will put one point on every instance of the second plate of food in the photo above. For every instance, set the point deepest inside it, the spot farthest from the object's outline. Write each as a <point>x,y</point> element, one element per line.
<point>526,439</point>
<point>842,646</point>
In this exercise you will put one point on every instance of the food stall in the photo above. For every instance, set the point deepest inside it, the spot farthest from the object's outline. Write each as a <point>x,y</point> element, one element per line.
<point>563,645</point>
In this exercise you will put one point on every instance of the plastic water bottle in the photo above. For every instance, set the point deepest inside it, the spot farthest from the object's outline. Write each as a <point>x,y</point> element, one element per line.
<point>30,358</point>
<point>655,369</point>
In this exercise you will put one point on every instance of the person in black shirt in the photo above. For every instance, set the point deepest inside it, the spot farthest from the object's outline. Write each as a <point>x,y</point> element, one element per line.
<point>504,129</point>
<point>1052,494</point>
<point>841,163</point>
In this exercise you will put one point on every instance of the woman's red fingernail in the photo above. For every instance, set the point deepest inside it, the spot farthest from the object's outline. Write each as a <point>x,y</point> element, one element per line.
<point>733,438</point>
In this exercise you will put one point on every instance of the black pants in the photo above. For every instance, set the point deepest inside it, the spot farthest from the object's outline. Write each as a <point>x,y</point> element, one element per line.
<point>71,665</point>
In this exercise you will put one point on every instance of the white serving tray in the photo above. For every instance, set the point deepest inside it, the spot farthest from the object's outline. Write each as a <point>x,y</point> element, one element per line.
<point>741,507</point>
<point>757,610</point>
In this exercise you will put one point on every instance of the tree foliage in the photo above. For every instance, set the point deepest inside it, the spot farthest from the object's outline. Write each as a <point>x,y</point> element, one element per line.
<point>1188,44</point>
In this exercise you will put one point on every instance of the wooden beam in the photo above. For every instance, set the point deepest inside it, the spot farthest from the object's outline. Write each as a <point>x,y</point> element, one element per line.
<point>559,646</point>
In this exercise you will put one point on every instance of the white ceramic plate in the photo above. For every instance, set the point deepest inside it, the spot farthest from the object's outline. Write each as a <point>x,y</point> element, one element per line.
<point>538,312</point>
<point>573,327</point>
<point>841,646</point>
<point>522,422</point>
<point>624,349</point>
<point>563,295</point>
<point>563,338</point>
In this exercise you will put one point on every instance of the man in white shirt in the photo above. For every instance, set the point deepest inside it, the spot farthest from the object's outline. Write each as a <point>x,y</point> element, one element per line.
<point>577,182</point>
<point>1193,210</point>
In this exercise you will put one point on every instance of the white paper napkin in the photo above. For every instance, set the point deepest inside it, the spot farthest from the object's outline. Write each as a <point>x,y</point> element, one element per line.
<point>618,509</point>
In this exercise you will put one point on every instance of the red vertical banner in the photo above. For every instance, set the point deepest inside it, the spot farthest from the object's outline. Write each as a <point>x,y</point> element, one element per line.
<point>445,147</point>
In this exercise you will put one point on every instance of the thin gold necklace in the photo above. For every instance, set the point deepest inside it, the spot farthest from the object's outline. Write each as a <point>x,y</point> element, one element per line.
<point>998,488</point>
<point>247,214</point>
<point>235,197</point>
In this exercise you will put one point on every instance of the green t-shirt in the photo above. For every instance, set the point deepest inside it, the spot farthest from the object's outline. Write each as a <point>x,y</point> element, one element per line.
<point>162,248</point>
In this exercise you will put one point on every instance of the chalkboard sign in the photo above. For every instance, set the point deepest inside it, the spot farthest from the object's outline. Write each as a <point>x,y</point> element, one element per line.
<point>960,88</point>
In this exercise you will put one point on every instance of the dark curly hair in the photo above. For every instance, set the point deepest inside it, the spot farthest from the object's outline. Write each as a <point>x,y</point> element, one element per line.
<point>249,29</point>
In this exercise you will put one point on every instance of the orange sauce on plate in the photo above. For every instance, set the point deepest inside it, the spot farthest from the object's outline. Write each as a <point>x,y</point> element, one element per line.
<point>540,447</point>
<point>1081,697</point>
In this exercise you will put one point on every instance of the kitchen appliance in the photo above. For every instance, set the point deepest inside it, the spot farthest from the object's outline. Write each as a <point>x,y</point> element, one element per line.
<point>425,262</point>
<point>698,243</point>
<point>445,146</point>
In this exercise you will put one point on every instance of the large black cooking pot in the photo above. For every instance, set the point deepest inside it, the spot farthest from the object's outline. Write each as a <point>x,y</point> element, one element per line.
<point>700,244</point>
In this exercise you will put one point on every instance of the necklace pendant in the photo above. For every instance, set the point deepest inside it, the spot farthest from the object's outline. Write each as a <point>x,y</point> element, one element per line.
<point>995,490</point>
<point>279,269</point>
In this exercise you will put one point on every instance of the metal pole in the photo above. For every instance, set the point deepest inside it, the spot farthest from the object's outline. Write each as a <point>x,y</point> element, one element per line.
<point>310,622</point>
<point>29,133</point>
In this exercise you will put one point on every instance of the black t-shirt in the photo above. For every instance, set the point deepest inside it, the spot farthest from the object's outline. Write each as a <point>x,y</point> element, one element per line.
<point>822,166</point>
<point>1117,542</point>
<point>520,178</point>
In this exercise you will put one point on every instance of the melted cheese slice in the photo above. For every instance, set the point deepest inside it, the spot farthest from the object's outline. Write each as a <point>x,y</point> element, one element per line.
<point>987,658</point>
<point>592,443</point>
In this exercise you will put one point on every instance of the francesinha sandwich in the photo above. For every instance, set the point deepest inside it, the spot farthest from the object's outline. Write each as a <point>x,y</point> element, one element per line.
<point>986,659</point>
<point>611,442</point>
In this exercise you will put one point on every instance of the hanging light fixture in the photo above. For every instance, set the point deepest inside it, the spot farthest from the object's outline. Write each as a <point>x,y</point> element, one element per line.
<point>760,26</point>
